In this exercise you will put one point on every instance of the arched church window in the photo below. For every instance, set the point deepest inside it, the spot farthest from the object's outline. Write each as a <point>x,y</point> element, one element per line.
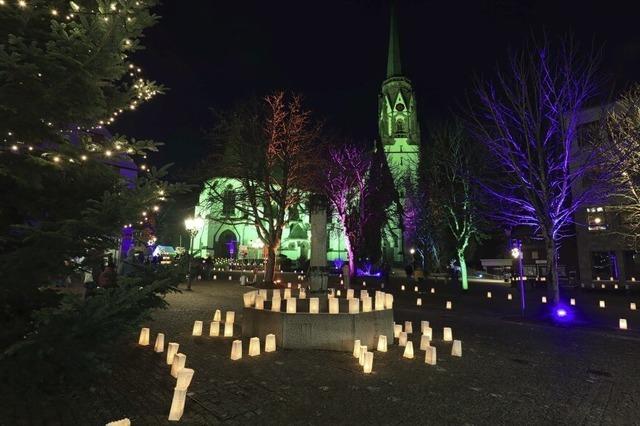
<point>400,125</point>
<point>229,202</point>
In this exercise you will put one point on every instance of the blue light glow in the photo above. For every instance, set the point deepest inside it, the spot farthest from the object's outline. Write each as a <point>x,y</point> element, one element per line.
<point>563,313</point>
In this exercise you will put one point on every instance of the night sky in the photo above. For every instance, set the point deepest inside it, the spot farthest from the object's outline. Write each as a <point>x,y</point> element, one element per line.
<point>212,53</point>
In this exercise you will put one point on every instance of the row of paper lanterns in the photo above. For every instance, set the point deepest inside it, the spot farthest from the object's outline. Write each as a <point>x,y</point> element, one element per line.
<point>236,346</point>
<point>230,278</point>
<point>572,301</point>
<point>257,300</point>
<point>254,346</point>
<point>417,289</point>
<point>425,338</point>
<point>177,361</point>
<point>214,328</point>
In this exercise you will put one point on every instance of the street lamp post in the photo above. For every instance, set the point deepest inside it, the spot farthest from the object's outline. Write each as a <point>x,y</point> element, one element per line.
<point>516,253</point>
<point>193,226</point>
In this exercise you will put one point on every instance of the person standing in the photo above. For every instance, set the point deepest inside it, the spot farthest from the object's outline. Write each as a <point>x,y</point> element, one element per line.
<point>409,271</point>
<point>108,277</point>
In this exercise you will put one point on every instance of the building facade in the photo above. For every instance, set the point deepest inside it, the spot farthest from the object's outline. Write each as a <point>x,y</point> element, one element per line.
<point>227,234</point>
<point>606,259</point>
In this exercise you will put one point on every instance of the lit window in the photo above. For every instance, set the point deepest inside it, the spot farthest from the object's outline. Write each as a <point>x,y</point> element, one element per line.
<point>596,219</point>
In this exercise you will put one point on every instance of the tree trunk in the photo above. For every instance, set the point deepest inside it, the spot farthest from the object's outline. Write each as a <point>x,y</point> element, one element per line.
<point>463,270</point>
<point>270,267</point>
<point>350,257</point>
<point>553,287</point>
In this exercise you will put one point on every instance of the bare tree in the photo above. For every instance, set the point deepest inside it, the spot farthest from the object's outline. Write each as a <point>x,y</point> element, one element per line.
<point>345,186</point>
<point>425,216</point>
<point>528,119</point>
<point>453,178</point>
<point>269,162</point>
<point>621,154</point>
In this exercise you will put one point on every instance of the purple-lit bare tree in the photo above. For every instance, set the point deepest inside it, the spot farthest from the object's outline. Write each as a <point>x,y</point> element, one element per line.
<point>528,119</point>
<point>345,186</point>
<point>622,158</point>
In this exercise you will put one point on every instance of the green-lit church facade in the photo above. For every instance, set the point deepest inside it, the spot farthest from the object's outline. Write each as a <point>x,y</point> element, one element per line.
<point>399,132</point>
<point>226,234</point>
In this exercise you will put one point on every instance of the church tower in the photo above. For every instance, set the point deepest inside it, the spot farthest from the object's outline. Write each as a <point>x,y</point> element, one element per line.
<point>400,136</point>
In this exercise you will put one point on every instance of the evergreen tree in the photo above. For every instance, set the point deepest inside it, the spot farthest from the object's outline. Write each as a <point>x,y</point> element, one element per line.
<point>381,203</point>
<point>68,187</point>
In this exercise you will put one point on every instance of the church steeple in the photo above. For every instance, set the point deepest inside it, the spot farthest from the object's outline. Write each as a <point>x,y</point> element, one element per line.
<point>394,67</point>
<point>400,136</point>
<point>397,115</point>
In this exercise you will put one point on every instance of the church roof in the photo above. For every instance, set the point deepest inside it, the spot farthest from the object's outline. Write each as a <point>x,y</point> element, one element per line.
<point>394,67</point>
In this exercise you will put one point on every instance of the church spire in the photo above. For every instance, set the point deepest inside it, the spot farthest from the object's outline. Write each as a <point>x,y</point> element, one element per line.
<point>394,68</point>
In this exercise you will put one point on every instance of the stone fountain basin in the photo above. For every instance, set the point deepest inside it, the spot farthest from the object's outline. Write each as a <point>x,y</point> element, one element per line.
<point>303,330</point>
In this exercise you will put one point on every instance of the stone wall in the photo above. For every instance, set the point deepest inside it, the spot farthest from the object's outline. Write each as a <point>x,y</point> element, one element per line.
<point>303,330</point>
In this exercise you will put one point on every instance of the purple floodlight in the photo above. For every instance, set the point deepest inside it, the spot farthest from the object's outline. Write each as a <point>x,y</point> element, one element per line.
<point>562,313</point>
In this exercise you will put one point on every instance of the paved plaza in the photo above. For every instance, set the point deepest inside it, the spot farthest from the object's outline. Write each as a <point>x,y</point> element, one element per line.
<point>510,373</point>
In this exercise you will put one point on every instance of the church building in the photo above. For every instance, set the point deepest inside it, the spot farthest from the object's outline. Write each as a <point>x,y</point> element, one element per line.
<point>400,135</point>
<point>226,234</point>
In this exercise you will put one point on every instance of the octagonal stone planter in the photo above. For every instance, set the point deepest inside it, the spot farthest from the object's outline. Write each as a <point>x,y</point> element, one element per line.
<point>303,330</point>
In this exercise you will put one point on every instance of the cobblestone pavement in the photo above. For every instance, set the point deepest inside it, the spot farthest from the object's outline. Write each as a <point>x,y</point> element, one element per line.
<point>510,372</point>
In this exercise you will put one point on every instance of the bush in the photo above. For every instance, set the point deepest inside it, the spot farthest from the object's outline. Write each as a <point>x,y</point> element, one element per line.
<point>70,343</point>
